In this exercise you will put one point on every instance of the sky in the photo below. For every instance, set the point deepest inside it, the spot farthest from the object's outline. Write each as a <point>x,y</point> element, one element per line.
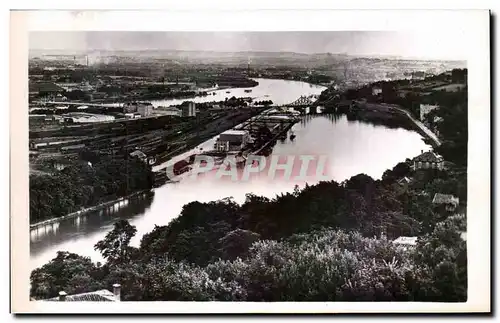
<point>408,44</point>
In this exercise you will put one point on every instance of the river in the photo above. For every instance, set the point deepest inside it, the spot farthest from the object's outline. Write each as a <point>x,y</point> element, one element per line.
<point>279,91</point>
<point>351,147</point>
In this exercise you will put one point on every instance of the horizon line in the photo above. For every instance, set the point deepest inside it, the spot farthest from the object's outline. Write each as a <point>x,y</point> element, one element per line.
<point>380,56</point>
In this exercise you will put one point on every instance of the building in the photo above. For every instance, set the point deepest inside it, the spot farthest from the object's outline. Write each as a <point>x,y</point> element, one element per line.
<point>130,107</point>
<point>169,111</point>
<point>406,241</point>
<point>103,295</point>
<point>418,75</point>
<point>232,139</point>
<point>188,109</point>
<point>145,110</point>
<point>45,89</point>
<point>376,90</point>
<point>425,109</point>
<point>132,115</point>
<point>222,146</point>
<point>447,201</point>
<point>79,117</point>
<point>428,160</point>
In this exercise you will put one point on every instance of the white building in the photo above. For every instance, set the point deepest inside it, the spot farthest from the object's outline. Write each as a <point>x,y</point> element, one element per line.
<point>406,241</point>
<point>77,117</point>
<point>188,109</point>
<point>133,115</point>
<point>232,138</point>
<point>425,109</point>
<point>145,110</point>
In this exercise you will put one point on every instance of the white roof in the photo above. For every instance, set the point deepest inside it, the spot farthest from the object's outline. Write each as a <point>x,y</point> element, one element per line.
<point>235,132</point>
<point>278,117</point>
<point>406,240</point>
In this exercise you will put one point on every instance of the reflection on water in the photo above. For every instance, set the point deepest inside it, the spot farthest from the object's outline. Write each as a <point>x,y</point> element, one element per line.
<point>278,91</point>
<point>352,147</point>
<point>72,229</point>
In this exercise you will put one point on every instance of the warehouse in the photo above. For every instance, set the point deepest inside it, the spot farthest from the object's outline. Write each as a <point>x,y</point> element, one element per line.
<point>77,117</point>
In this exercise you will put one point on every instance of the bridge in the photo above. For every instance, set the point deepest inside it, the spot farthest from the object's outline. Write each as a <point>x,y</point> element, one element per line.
<point>302,102</point>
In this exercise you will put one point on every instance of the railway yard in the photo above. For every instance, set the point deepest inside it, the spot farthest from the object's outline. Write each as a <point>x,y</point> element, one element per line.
<point>157,137</point>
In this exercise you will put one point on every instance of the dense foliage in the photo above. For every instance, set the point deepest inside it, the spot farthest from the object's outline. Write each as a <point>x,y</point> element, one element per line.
<point>324,265</point>
<point>330,241</point>
<point>83,185</point>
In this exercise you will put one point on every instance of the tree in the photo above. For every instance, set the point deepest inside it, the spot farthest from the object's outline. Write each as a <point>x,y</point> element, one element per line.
<point>441,259</point>
<point>115,246</point>
<point>67,272</point>
<point>237,243</point>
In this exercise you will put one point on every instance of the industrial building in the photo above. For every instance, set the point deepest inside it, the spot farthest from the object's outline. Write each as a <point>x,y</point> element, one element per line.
<point>169,111</point>
<point>145,110</point>
<point>78,117</point>
<point>232,139</point>
<point>188,109</point>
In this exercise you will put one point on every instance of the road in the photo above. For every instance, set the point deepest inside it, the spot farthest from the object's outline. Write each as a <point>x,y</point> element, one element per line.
<point>421,126</point>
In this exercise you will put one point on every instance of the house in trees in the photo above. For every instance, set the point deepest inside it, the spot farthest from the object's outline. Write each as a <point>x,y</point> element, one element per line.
<point>406,241</point>
<point>428,160</point>
<point>96,296</point>
<point>447,202</point>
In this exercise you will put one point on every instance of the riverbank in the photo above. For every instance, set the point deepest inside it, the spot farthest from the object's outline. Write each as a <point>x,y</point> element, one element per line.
<point>315,134</point>
<point>87,210</point>
<point>391,116</point>
<point>212,130</point>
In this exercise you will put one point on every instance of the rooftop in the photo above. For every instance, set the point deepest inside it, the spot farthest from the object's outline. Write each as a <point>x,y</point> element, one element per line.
<point>406,241</point>
<point>235,132</point>
<point>440,198</point>
<point>44,87</point>
<point>103,295</point>
<point>428,156</point>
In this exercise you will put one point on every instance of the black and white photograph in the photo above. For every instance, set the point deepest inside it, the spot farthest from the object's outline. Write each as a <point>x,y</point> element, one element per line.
<point>254,166</point>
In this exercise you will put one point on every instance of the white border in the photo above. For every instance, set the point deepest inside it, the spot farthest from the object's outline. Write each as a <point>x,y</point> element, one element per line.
<point>475,28</point>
